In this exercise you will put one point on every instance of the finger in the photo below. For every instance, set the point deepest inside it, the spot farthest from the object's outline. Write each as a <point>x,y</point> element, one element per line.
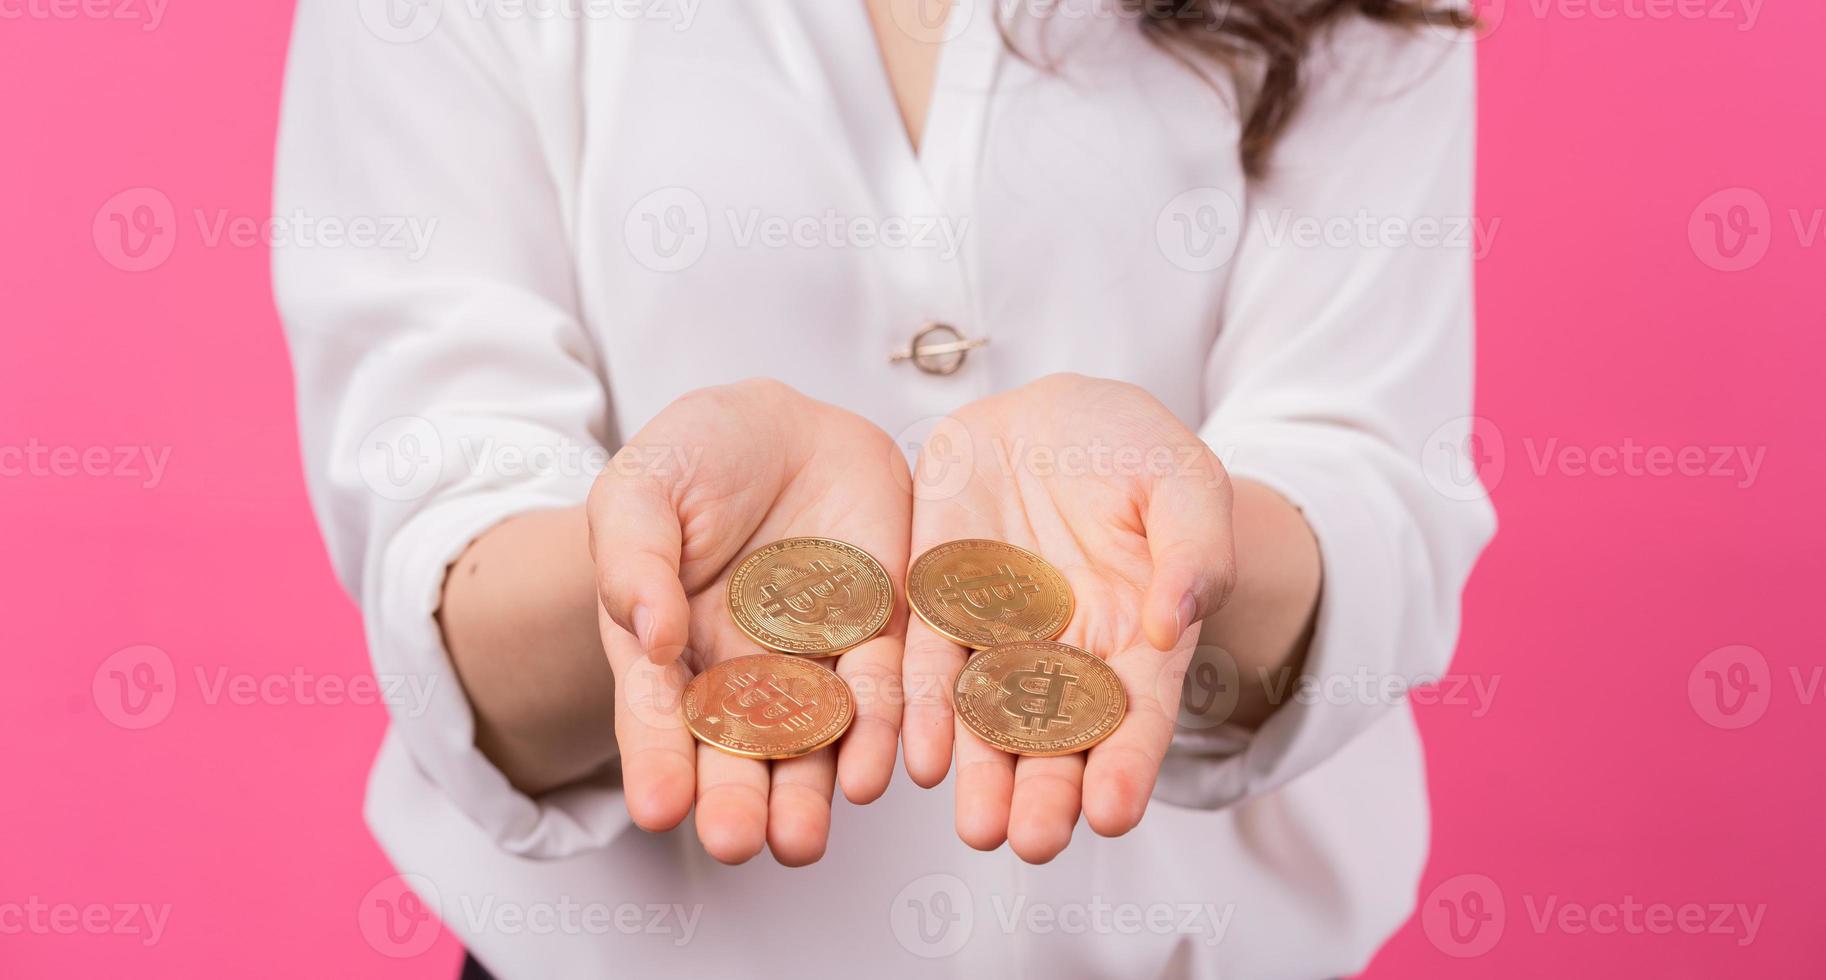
<point>658,761</point>
<point>731,805</point>
<point>1189,540</point>
<point>1120,773</point>
<point>799,807</point>
<point>1044,810</point>
<point>875,514</point>
<point>732,792</point>
<point>928,670</point>
<point>635,541</point>
<point>865,757</point>
<point>985,789</point>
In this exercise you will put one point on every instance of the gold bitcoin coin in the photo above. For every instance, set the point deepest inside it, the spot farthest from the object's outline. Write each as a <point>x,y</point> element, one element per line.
<point>982,593</point>
<point>1037,697</point>
<point>768,706</point>
<point>814,597</point>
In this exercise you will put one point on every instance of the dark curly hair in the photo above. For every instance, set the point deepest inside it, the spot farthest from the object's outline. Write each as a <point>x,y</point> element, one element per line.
<point>1262,44</point>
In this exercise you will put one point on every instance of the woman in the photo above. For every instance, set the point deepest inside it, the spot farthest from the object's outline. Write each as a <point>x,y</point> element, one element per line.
<point>1086,262</point>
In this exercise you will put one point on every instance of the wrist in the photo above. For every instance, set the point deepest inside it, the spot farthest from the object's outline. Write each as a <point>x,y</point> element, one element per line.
<point>1266,626</point>
<point>518,614</point>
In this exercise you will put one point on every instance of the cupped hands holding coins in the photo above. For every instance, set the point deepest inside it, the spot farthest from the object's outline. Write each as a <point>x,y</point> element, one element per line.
<point>768,464</point>
<point>787,542</point>
<point>1143,537</point>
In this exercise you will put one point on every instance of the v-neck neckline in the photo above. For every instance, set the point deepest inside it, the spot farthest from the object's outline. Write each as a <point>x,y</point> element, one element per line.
<point>915,143</point>
<point>911,176</point>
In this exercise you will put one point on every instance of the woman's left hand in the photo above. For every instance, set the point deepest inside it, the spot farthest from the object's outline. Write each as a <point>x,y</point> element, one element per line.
<point>1098,478</point>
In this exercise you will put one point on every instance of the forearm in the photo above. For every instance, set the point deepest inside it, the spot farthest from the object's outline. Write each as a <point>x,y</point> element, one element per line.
<point>1267,624</point>
<point>519,619</point>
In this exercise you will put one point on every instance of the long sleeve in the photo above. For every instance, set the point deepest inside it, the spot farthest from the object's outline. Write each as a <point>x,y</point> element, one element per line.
<point>444,380</point>
<point>1344,354</point>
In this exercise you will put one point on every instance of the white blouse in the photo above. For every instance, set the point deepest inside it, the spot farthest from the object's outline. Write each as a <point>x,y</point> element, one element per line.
<point>621,202</point>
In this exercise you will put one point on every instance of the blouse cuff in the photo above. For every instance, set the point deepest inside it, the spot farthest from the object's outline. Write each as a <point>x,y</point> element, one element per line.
<point>1353,652</point>
<point>405,638</point>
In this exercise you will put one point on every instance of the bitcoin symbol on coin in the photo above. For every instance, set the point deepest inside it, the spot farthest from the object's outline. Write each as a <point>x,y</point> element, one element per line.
<point>989,597</point>
<point>1039,698</point>
<point>813,597</point>
<point>764,702</point>
<point>810,599</point>
<point>981,593</point>
<point>767,706</point>
<point>1037,695</point>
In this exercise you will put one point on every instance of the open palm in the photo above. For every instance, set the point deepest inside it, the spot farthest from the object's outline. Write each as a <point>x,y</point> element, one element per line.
<point>763,462</point>
<point>1098,478</point>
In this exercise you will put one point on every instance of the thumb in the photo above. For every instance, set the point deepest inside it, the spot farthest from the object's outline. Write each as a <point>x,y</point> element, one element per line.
<point>1194,553</point>
<point>635,540</point>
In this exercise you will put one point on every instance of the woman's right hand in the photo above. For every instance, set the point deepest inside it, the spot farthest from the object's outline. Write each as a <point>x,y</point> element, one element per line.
<point>718,473</point>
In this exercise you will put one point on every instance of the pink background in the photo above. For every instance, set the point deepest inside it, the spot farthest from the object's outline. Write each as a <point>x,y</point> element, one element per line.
<point>1607,767</point>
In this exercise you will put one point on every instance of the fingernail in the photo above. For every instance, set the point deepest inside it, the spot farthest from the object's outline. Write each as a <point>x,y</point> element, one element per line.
<point>1182,617</point>
<point>643,627</point>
